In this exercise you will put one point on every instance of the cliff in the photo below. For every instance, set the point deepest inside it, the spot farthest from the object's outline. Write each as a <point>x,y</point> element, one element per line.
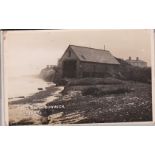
<point>47,73</point>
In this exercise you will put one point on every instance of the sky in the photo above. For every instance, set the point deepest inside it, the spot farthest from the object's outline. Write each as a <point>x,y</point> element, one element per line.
<point>27,52</point>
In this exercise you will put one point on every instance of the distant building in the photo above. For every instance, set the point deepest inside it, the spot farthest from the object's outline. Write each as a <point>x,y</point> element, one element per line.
<point>78,61</point>
<point>50,67</point>
<point>137,62</point>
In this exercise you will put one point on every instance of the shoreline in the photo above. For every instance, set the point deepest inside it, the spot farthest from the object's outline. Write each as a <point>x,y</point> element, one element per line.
<point>83,104</point>
<point>26,110</point>
<point>40,95</point>
<point>32,85</point>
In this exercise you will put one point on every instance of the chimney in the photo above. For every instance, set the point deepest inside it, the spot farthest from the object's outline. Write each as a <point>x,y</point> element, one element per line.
<point>104,47</point>
<point>137,58</point>
<point>129,58</point>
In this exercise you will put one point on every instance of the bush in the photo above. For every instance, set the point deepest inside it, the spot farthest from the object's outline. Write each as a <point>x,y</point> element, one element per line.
<point>139,74</point>
<point>93,81</point>
<point>129,72</point>
<point>94,91</point>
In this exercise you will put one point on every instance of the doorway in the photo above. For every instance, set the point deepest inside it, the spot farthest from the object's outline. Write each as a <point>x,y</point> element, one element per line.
<point>69,68</point>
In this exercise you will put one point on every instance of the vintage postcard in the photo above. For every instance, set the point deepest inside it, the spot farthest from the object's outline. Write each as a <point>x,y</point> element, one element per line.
<point>78,76</point>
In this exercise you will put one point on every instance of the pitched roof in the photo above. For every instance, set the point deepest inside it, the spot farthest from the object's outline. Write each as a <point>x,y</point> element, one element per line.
<point>93,55</point>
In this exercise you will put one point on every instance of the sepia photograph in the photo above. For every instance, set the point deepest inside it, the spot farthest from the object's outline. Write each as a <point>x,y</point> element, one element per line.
<point>0,83</point>
<point>56,77</point>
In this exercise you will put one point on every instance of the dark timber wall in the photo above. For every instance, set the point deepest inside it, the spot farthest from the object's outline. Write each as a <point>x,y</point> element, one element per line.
<point>90,69</point>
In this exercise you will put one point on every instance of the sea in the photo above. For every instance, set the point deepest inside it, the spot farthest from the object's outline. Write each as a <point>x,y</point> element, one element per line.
<point>26,85</point>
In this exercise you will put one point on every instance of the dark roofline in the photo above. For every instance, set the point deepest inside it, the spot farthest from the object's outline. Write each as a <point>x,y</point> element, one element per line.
<point>99,50</point>
<point>96,50</point>
<point>89,48</point>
